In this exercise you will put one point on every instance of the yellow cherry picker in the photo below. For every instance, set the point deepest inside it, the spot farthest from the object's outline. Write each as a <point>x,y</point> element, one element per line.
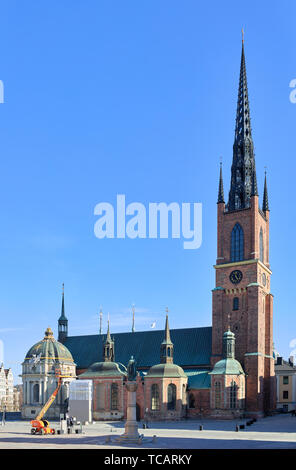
<point>40,425</point>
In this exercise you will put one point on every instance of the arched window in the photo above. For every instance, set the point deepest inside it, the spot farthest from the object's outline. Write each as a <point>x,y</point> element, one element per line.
<point>261,246</point>
<point>237,243</point>
<point>114,397</point>
<point>217,395</point>
<point>233,395</point>
<point>171,397</point>
<point>36,393</point>
<point>154,397</point>
<point>100,396</point>
<point>191,401</point>
<point>235,303</point>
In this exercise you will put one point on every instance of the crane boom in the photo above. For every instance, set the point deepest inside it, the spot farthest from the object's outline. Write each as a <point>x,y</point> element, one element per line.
<point>53,395</point>
<point>50,400</point>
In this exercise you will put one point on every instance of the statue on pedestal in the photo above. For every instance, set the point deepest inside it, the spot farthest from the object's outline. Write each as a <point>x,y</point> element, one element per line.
<point>131,369</point>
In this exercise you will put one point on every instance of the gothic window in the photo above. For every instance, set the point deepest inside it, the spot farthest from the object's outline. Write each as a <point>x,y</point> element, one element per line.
<point>233,395</point>
<point>114,397</point>
<point>217,395</point>
<point>171,397</point>
<point>191,401</point>
<point>235,303</point>
<point>261,246</point>
<point>100,396</point>
<point>36,393</point>
<point>237,243</point>
<point>154,397</point>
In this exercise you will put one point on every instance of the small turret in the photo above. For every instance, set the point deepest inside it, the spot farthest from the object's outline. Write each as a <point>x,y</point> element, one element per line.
<point>108,353</point>
<point>167,347</point>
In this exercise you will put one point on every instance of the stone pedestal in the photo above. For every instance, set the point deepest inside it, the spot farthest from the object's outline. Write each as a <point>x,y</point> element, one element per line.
<point>131,426</point>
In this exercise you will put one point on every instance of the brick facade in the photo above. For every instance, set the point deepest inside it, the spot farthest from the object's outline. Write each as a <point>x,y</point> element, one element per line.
<point>252,321</point>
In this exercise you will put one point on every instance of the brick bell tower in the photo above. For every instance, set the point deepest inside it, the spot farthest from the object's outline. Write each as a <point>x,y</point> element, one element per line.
<point>242,293</point>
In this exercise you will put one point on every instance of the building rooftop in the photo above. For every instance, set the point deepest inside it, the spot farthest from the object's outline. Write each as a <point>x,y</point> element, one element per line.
<point>192,347</point>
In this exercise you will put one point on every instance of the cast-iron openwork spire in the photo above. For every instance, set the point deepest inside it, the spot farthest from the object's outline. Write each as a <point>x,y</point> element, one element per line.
<point>243,163</point>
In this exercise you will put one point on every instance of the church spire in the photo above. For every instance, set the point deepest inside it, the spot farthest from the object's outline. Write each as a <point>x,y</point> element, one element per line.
<point>167,347</point>
<point>221,189</point>
<point>63,321</point>
<point>109,355</point>
<point>265,206</point>
<point>243,163</point>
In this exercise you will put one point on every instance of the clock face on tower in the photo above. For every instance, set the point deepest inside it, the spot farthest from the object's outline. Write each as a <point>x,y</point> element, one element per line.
<point>236,276</point>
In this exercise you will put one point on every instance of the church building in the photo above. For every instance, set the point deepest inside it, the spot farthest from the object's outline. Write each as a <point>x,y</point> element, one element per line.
<point>225,370</point>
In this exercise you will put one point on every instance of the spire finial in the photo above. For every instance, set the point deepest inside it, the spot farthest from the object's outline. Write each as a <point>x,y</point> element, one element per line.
<point>167,328</point>
<point>108,329</point>
<point>133,325</point>
<point>101,319</point>
<point>243,35</point>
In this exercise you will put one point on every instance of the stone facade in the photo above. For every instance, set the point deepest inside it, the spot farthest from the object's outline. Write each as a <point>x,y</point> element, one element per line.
<point>39,377</point>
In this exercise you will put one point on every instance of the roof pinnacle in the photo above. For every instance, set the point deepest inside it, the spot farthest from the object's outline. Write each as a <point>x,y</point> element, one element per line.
<point>265,205</point>
<point>221,189</point>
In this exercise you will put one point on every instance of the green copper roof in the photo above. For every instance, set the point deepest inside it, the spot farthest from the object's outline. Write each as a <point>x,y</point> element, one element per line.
<point>227,367</point>
<point>192,347</point>
<point>198,378</point>
<point>104,369</point>
<point>49,349</point>
<point>166,370</point>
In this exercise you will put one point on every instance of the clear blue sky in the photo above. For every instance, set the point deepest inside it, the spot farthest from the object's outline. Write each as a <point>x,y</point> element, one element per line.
<point>138,98</point>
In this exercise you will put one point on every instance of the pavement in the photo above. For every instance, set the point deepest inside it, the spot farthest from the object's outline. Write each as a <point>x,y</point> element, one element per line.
<point>276,432</point>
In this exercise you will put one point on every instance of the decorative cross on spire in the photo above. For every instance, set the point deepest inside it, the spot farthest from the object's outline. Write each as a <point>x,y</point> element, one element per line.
<point>243,35</point>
